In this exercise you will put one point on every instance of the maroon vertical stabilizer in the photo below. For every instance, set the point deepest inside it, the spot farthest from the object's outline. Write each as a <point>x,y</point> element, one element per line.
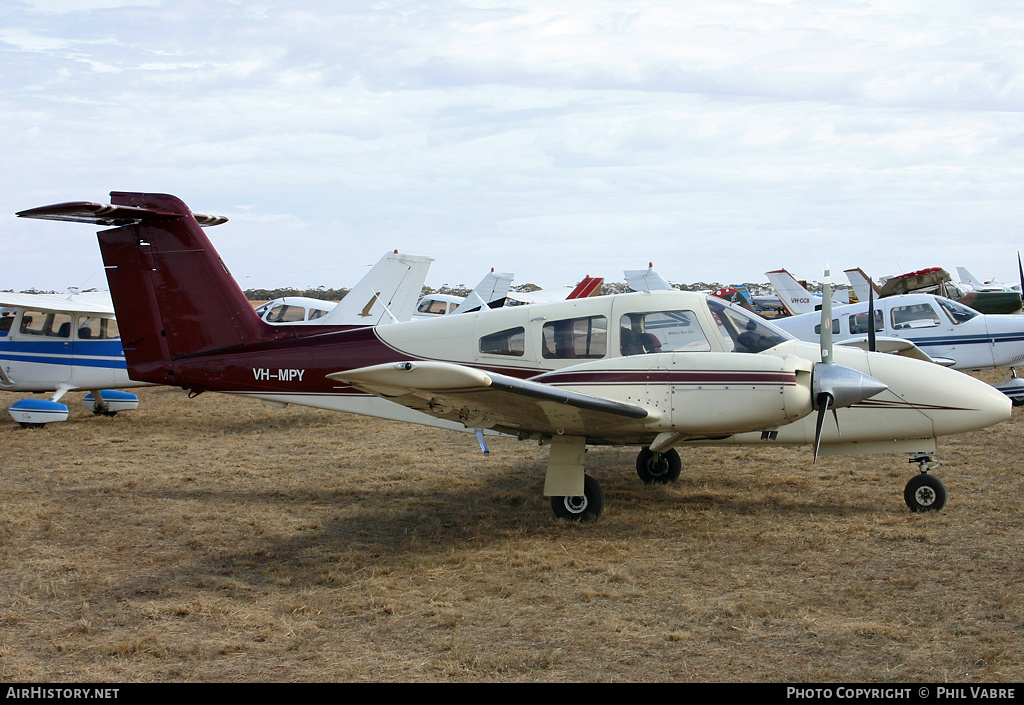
<point>173,296</point>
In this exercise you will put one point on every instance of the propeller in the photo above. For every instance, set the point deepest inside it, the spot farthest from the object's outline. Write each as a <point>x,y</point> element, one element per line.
<point>835,386</point>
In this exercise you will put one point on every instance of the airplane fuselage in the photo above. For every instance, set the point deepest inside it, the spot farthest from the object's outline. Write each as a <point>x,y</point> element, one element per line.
<point>596,346</point>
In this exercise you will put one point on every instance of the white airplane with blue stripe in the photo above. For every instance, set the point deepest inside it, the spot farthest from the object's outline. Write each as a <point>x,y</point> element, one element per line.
<point>927,326</point>
<point>59,343</point>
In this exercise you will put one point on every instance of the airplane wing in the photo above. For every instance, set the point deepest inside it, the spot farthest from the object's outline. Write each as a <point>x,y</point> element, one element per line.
<point>98,303</point>
<point>481,399</point>
<point>898,346</point>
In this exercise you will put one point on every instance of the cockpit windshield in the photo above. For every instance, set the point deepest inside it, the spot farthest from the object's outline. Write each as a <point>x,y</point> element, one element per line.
<point>743,331</point>
<point>958,313</point>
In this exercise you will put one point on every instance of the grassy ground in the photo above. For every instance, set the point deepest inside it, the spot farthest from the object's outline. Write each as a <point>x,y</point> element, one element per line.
<point>217,539</point>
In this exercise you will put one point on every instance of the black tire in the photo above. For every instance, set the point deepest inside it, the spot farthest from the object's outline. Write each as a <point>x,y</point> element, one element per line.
<point>925,493</point>
<point>658,467</point>
<point>1017,401</point>
<point>586,507</point>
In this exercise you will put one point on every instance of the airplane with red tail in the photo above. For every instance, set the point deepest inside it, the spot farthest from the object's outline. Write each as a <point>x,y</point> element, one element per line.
<point>658,370</point>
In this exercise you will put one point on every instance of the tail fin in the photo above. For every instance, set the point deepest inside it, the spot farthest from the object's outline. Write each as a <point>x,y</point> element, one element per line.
<point>645,280</point>
<point>861,283</point>
<point>388,292</point>
<point>173,296</point>
<point>967,278</point>
<point>795,298</point>
<point>590,286</point>
<point>491,292</point>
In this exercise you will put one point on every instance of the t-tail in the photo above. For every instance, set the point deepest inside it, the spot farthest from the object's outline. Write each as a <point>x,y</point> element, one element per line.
<point>172,294</point>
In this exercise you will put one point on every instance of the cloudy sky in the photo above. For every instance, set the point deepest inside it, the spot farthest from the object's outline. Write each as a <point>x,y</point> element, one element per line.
<point>718,139</point>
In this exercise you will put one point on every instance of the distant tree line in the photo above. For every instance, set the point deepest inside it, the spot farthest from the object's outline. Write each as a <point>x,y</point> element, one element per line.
<point>326,294</point>
<point>322,292</point>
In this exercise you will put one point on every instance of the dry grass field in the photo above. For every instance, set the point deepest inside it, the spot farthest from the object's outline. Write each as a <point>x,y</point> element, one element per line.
<point>217,539</point>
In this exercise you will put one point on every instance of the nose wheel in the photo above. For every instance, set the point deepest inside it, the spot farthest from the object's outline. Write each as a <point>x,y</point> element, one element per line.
<point>925,492</point>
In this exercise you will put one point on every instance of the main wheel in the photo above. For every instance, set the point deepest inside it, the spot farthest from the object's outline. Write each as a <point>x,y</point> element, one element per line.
<point>586,507</point>
<point>925,493</point>
<point>658,467</point>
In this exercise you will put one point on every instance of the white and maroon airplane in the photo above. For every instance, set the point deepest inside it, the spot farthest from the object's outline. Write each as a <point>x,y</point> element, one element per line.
<point>658,370</point>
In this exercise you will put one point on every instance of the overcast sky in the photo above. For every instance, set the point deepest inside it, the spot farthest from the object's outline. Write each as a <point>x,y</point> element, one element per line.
<point>719,139</point>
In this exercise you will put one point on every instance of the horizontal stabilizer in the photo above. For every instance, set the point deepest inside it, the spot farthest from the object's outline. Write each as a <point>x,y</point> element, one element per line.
<point>113,216</point>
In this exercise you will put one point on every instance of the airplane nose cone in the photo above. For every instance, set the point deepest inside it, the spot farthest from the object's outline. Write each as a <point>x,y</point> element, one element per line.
<point>973,405</point>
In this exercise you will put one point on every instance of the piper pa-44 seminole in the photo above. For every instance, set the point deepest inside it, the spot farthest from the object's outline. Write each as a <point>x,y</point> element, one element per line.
<point>658,370</point>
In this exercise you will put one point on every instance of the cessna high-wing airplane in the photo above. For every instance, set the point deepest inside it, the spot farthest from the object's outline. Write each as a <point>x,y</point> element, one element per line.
<point>59,343</point>
<point>658,370</point>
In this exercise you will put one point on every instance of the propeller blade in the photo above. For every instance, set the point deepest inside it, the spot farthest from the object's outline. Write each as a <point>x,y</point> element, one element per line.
<point>872,340</point>
<point>823,401</point>
<point>1020,268</point>
<point>826,317</point>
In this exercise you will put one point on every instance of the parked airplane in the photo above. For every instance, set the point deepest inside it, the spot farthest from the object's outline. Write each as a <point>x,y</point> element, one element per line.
<point>935,280</point>
<point>945,331</point>
<point>59,343</point>
<point>387,293</point>
<point>658,370</point>
<point>969,283</point>
<point>491,292</point>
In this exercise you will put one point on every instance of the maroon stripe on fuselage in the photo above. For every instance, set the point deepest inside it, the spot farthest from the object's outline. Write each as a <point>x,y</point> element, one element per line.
<point>677,377</point>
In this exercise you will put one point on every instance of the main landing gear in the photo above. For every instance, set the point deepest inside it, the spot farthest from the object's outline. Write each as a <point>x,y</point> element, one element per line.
<point>925,492</point>
<point>567,466</point>
<point>584,507</point>
<point>658,467</point>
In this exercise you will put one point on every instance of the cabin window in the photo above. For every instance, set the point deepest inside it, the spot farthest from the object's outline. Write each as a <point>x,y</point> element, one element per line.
<point>433,307</point>
<point>858,323</point>
<point>94,328</point>
<point>48,323</point>
<point>506,342</point>
<point>913,316</point>
<point>662,331</point>
<point>835,327</point>
<point>957,313</point>
<point>576,338</point>
<point>283,313</point>
<point>6,321</point>
<point>743,331</point>
<point>315,313</point>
